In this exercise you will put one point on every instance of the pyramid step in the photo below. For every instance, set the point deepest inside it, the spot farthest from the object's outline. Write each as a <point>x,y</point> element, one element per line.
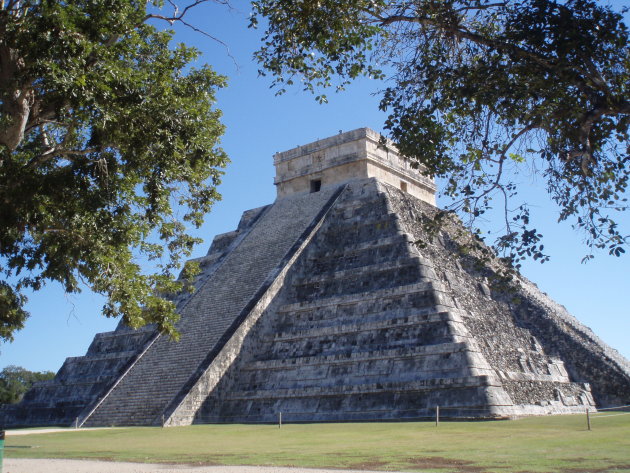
<point>400,264</point>
<point>93,378</point>
<point>423,302</point>
<point>313,320</point>
<point>361,230</point>
<point>363,340</point>
<point>534,377</point>
<point>362,280</point>
<point>378,251</point>
<point>364,217</point>
<point>387,413</point>
<point>119,341</point>
<point>462,403</point>
<point>428,384</point>
<point>207,260</point>
<point>424,287</point>
<point>363,207</point>
<point>400,238</point>
<point>93,374</point>
<point>98,357</point>
<point>456,360</point>
<point>125,332</point>
<point>352,375</point>
<point>398,322</point>
<point>399,353</point>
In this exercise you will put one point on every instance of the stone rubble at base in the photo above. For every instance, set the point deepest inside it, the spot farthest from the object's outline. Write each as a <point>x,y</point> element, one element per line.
<point>323,306</point>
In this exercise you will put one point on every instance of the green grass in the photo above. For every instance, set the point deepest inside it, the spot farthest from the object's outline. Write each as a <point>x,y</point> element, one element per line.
<point>541,444</point>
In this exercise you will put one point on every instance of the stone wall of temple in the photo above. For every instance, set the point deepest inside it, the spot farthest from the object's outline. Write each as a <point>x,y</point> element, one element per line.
<point>356,154</point>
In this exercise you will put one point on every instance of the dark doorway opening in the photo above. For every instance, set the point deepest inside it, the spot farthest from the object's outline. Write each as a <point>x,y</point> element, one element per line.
<point>316,185</point>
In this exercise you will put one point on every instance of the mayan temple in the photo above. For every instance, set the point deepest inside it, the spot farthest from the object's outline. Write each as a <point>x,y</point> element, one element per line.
<point>334,304</point>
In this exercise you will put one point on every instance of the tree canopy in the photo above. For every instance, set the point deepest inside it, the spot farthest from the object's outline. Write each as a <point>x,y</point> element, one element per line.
<point>15,381</point>
<point>106,134</point>
<point>476,88</point>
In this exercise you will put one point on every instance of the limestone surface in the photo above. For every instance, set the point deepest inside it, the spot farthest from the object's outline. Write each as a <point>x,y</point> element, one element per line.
<point>338,303</point>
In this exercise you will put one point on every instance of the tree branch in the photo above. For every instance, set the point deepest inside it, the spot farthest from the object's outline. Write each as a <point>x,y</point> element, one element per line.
<point>58,152</point>
<point>179,17</point>
<point>480,7</point>
<point>497,45</point>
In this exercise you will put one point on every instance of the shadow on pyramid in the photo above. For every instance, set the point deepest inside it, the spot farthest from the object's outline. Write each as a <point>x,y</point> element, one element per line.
<point>335,304</point>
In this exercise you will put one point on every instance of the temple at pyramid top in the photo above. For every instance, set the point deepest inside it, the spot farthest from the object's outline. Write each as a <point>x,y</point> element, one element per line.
<point>356,154</point>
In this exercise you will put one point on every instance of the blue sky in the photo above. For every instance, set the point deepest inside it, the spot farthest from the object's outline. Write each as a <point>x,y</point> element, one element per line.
<point>260,124</point>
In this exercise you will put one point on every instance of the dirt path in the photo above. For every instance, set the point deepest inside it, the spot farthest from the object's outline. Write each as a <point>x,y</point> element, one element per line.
<point>13,433</point>
<point>28,465</point>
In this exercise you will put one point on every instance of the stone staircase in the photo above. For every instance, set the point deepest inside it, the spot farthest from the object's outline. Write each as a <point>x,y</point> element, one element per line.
<point>142,396</point>
<point>82,381</point>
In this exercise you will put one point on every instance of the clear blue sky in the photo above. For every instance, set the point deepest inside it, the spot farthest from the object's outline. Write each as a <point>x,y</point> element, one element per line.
<point>260,124</point>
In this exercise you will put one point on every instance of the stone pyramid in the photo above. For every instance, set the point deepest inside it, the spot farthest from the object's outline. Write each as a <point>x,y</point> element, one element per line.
<point>334,304</point>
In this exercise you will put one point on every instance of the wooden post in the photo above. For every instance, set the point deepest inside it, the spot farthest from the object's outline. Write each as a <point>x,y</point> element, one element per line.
<point>437,415</point>
<point>588,419</point>
<point>279,419</point>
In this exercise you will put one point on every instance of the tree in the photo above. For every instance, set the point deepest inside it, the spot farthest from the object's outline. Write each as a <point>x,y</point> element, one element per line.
<point>106,136</point>
<point>478,88</point>
<point>15,381</point>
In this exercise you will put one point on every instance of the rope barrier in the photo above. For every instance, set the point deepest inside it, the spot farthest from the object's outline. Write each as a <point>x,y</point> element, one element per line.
<point>595,416</point>
<point>611,408</point>
<point>421,414</point>
<point>465,408</point>
<point>430,410</point>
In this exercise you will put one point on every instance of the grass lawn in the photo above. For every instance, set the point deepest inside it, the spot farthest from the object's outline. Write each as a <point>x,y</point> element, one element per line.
<point>540,444</point>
